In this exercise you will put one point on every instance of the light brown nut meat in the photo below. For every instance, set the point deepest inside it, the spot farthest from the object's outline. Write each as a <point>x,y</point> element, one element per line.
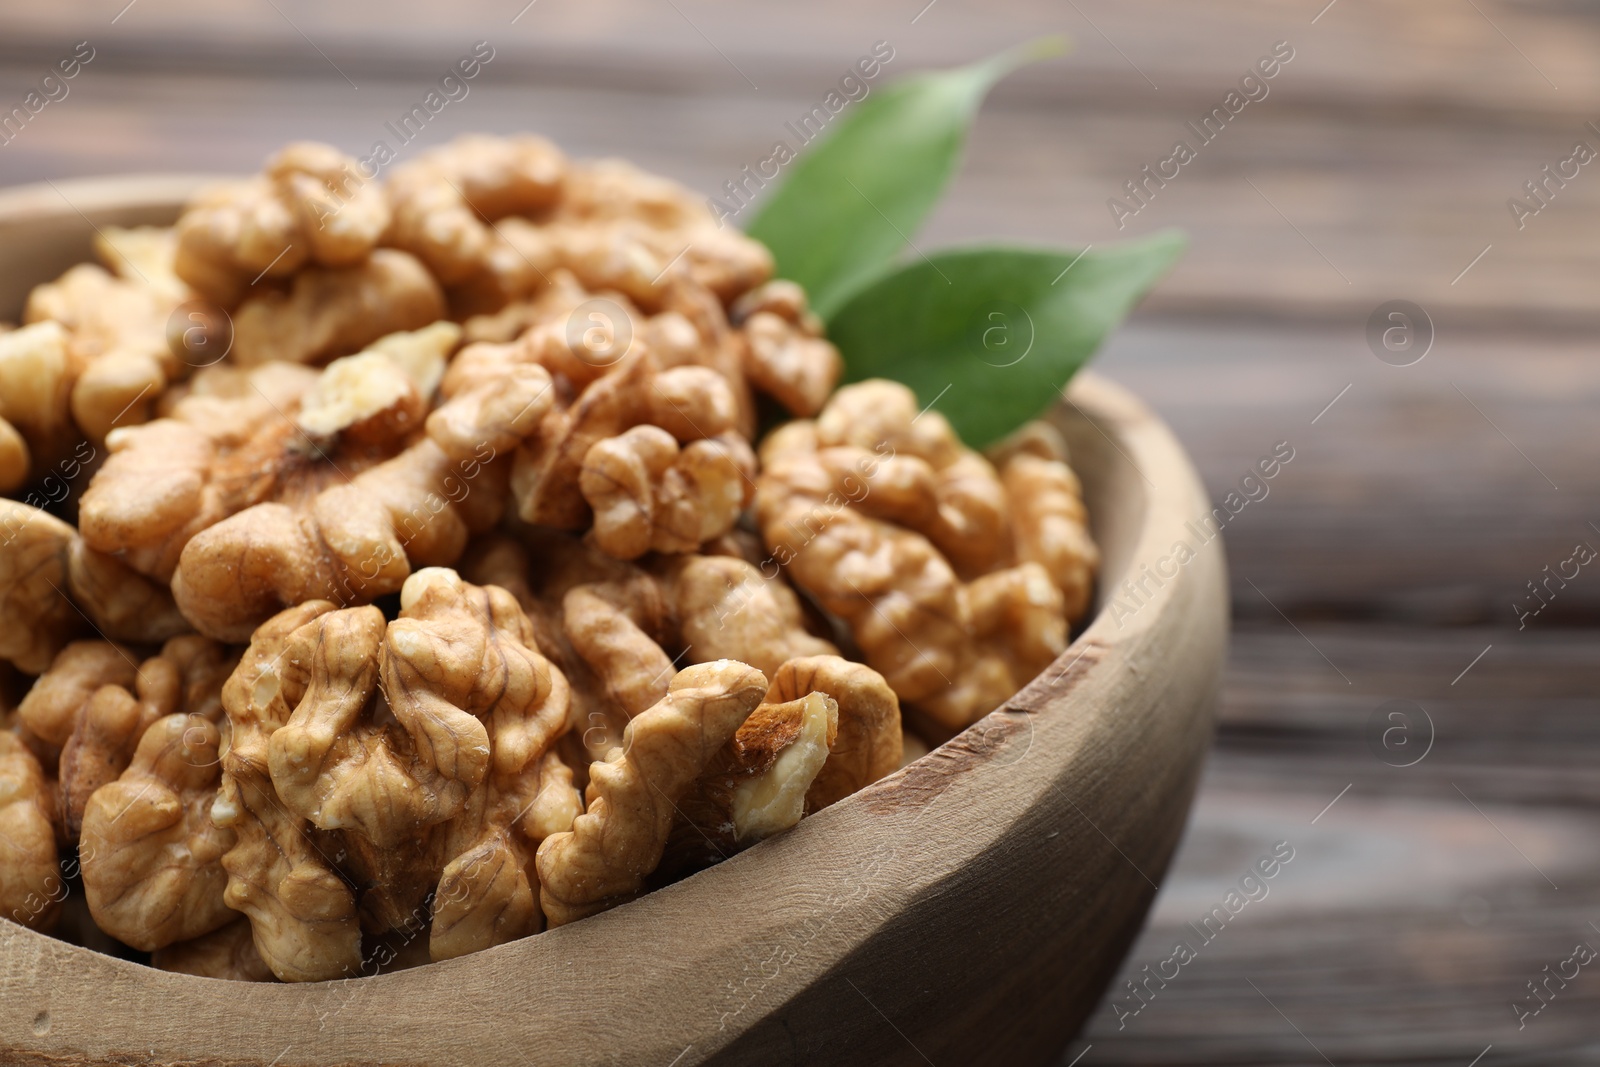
<point>224,446</point>
<point>729,609</point>
<point>464,708</point>
<point>785,354</point>
<point>36,377</point>
<point>1050,526</point>
<point>540,569</point>
<point>31,888</point>
<point>860,530</point>
<point>899,595</point>
<point>302,912</point>
<point>312,205</point>
<point>620,227</point>
<point>650,495</point>
<point>123,604</point>
<point>351,542</point>
<point>488,893</point>
<point>330,312</point>
<point>455,664</point>
<point>691,403</point>
<point>610,850</point>
<point>445,200</point>
<point>755,787</point>
<point>186,678</point>
<point>228,953</point>
<point>147,254</point>
<point>867,746</point>
<point>36,618</point>
<point>618,628</point>
<point>493,396</point>
<point>116,341</point>
<point>968,518</point>
<point>51,708</point>
<point>151,856</point>
<point>289,486</point>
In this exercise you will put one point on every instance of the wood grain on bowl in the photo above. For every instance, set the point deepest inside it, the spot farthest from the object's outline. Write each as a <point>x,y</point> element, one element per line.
<point>969,908</point>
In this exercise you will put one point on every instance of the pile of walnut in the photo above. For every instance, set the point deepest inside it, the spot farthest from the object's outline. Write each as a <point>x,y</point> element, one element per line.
<point>455,599</point>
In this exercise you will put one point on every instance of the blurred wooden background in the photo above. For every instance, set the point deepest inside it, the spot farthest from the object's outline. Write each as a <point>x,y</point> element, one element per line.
<point>1390,551</point>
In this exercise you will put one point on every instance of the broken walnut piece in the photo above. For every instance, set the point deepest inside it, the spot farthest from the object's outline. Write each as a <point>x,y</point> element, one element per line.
<point>755,786</point>
<point>151,855</point>
<point>310,206</point>
<point>435,718</point>
<point>446,201</point>
<point>728,608</point>
<point>868,742</point>
<point>488,893</point>
<point>858,530</point>
<point>619,227</point>
<point>31,888</point>
<point>36,378</point>
<point>302,912</point>
<point>1050,525</point>
<point>689,402</point>
<point>185,678</point>
<point>228,443</point>
<point>618,841</point>
<point>650,495</point>
<point>962,502</point>
<point>784,351</point>
<point>36,618</point>
<point>330,312</point>
<point>492,397</point>
<point>228,952</point>
<point>117,324</point>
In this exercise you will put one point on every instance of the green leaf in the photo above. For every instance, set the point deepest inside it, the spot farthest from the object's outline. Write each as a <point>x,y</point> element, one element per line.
<point>992,334</point>
<point>852,200</point>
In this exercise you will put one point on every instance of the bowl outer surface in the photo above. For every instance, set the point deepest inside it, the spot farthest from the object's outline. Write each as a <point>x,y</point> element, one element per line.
<point>968,909</point>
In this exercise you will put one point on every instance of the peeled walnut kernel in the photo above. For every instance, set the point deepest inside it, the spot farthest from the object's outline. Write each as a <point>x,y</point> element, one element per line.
<point>36,377</point>
<point>223,447</point>
<point>302,913</point>
<point>728,609</point>
<point>868,741</point>
<point>610,850</point>
<point>965,501</point>
<point>151,856</point>
<point>117,325</point>
<point>436,720</point>
<point>488,893</point>
<point>1050,524</point>
<point>619,227</point>
<point>30,886</point>
<point>446,200</point>
<point>858,506</point>
<point>650,495</point>
<point>281,485</point>
<point>785,354</point>
<point>36,618</point>
<point>117,705</point>
<point>756,785</point>
<point>312,205</point>
<point>50,709</point>
<point>493,396</point>
<point>330,312</point>
<point>691,403</point>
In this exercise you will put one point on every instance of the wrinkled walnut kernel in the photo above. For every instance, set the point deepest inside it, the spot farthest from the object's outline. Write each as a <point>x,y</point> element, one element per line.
<point>151,855</point>
<point>604,859</point>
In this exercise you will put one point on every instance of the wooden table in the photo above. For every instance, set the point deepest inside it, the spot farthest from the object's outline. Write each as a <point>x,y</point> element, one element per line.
<point>1386,561</point>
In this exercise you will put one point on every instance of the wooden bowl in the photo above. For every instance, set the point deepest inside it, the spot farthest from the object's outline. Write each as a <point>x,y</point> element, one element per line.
<point>968,909</point>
